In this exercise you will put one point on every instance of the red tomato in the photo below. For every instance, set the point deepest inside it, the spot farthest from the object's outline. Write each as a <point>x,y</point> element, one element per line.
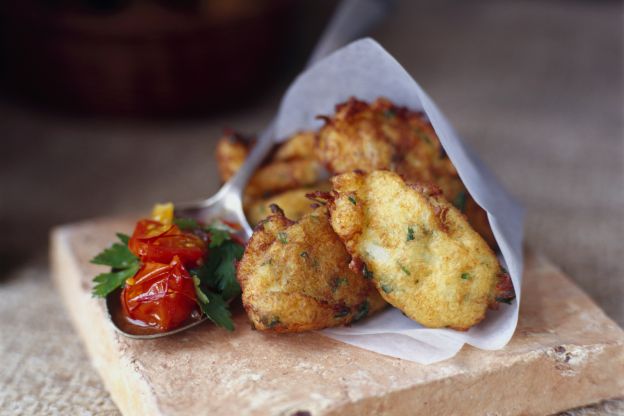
<point>153,241</point>
<point>160,295</point>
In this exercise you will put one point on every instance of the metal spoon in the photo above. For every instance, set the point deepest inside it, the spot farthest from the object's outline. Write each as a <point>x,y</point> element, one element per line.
<point>352,19</point>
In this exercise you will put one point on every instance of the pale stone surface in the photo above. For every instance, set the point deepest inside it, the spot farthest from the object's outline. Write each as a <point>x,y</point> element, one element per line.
<point>565,353</point>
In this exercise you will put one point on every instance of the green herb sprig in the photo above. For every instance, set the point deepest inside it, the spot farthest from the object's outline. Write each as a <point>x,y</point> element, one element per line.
<point>215,281</point>
<point>123,266</point>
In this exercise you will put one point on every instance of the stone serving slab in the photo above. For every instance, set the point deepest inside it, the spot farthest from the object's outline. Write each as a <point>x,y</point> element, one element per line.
<point>566,353</point>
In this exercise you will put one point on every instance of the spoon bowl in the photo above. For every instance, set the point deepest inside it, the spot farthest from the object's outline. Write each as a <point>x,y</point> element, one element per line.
<point>127,328</point>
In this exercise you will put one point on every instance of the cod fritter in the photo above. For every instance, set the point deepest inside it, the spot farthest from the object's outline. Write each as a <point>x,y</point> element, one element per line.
<point>301,145</point>
<point>281,176</point>
<point>382,136</point>
<point>295,277</point>
<point>294,203</point>
<point>292,164</point>
<point>291,171</point>
<point>232,150</point>
<point>418,249</point>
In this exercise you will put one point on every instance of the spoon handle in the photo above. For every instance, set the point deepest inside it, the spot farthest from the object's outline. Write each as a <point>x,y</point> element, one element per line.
<point>351,19</point>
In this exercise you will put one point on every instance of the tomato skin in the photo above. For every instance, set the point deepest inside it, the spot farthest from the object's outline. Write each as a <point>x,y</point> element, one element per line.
<point>153,241</point>
<point>160,295</point>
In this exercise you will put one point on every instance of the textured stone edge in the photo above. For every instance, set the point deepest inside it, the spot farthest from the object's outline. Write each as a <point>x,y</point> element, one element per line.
<point>550,384</point>
<point>128,390</point>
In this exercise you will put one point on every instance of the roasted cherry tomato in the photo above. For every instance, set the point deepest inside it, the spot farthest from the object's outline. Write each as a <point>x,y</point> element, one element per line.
<point>160,295</point>
<point>153,241</point>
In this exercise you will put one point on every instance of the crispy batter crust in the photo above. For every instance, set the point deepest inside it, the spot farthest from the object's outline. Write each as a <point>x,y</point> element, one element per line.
<point>295,277</point>
<point>419,250</point>
<point>232,149</point>
<point>382,136</point>
<point>284,175</point>
<point>301,145</point>
<point>292,164</point>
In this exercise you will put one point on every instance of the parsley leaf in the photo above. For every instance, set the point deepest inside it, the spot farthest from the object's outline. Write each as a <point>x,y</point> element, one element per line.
<point>404,269</point>
<point>217,237</point>
<point>124,238</point>
<point>460,201</point>
<point>186,223</point>
<point>124,265</point>
<point>219,232</point>
<point>106,283</point>
<point>117,256</point>
<point>282,237</point>
<point>503,299</point>
<point>362,311</point>
<point>465,276</point>
<point>389,113</point>
<point>274,321</point>
<point>342,312</point>
<point>201,296</point>
<point>214,307</point>
<point>352,200</point>
<point>424,137</point>
<point>410,234</point>
<point>219,271</point>
<point>337,282</point>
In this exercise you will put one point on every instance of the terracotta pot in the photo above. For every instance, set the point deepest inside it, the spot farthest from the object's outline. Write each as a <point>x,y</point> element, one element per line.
<point>143,59</point>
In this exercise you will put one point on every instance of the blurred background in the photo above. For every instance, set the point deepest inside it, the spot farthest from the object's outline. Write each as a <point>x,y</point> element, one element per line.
<point>107,106</point>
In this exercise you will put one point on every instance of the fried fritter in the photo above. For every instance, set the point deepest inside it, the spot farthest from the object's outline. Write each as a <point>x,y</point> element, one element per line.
<point>232,149</point>
<point>292,165</point>
<point>418,249</point>
<point>295,277</point>
<point>301,145</point>
<point>294,203</point>
<point>281,176</point>
<point>382,136</point>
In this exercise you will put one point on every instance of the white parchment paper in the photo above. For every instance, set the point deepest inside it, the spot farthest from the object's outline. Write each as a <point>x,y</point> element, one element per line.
<point>363,69</point>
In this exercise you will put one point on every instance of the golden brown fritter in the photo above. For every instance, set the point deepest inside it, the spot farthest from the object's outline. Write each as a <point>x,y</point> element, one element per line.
<point>232,149</point>
<point>284,175</point>
<point>294,203</point>
<point>292,165</point>
<point>419,250</point>
<point>382,136</point>
<point>295,277</point>
<point>301,145</point>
